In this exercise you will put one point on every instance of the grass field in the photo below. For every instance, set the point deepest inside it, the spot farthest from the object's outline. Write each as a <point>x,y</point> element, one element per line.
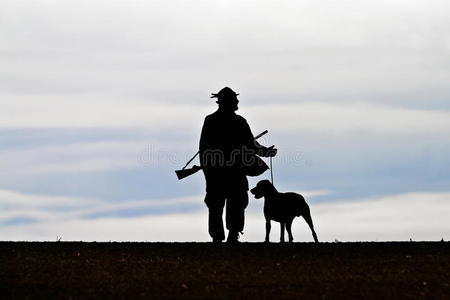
<point>75,270</point>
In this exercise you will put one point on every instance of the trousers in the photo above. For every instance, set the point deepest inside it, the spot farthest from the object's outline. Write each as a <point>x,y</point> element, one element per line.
<point>234,203</point>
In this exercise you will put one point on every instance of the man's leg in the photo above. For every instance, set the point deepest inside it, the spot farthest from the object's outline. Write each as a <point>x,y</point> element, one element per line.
<point>215,203</point>
<point>235,217</point>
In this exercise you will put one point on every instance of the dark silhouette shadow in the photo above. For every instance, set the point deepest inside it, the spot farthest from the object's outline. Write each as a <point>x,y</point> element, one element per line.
<point>282,208</point>
<point>228,154</point>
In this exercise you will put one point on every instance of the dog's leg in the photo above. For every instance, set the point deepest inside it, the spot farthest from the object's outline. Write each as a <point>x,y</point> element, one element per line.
<point>308,220</point>
<point>268,227</point>
<point>282,232</point>
<point>288,228</point>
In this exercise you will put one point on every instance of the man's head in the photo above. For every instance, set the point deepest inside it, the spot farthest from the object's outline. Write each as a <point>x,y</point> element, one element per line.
<point>227,99</point>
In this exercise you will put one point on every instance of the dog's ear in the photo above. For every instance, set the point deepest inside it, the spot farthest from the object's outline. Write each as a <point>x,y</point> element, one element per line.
<point>266,183</point>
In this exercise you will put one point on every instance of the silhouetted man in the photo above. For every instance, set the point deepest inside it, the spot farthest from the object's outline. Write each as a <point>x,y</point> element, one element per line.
<point>226,148</point>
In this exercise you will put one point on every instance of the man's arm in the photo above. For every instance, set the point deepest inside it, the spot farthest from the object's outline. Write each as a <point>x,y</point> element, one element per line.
<point>252,144</point>
<point>204,138</point>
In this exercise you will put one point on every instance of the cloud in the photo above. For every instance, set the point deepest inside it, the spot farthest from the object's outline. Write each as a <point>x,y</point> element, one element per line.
<point>50,208</point>
<point>345,118</point>
<point>162,51</point>
<point>75,157</point>
<point>420,216</point>
<point>74,111</point>
<point>356,88</point>
<point>310,117</point>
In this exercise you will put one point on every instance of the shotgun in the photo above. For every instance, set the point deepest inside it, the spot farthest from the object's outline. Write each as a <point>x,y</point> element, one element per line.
<point>188,172</point>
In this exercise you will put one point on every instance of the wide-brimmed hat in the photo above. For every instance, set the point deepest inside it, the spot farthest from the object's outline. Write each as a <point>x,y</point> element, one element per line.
<point>224,93</point>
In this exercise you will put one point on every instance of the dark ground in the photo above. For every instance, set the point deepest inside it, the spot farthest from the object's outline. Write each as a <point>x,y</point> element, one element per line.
<point>74,270</point>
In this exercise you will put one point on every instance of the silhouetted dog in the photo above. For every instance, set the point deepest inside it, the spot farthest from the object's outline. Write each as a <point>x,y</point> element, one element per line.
<point>283,208</point>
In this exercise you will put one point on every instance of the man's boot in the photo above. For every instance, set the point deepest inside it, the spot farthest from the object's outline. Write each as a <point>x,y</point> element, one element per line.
<point>233,237</point>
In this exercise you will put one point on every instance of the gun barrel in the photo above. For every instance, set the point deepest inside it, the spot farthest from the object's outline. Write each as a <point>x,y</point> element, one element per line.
<point>261,134</point>
<point>188,172</point>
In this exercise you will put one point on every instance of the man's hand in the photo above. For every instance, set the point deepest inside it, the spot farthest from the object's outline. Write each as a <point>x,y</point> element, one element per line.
<point>271,151</point>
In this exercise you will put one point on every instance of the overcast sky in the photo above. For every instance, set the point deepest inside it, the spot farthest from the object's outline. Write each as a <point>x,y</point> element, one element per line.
<point>100,101</point>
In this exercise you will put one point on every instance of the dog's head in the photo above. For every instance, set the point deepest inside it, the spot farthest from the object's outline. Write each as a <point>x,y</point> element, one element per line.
<point>262,188</point>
